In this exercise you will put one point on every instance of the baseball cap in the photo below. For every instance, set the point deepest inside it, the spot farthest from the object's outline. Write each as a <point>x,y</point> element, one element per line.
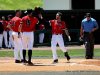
<point>25,12</point>
<point>29,10</point>
<point>9,16</point>
<point>88,15</point>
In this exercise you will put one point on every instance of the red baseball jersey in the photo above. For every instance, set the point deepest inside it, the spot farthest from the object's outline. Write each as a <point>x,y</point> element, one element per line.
<point>15,22</point>
<point>29,23</point>
<point>57,26</point>
<point>5,23</point>
<point>41,27</point>
<point>8,23</point>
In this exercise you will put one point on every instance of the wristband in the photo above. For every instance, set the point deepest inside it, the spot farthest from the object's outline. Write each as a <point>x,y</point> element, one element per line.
<point>18,33</point>
<point>68,36</point>
<point>41,17</point>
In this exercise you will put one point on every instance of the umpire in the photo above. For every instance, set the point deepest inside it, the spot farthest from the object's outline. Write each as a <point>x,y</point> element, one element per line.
<point>88,26</point>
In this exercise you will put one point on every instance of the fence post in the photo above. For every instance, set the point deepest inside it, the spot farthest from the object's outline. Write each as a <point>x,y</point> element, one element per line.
<point>78,37</point>
<point>34,39</point>
<point>64,37</point>
<point>50,36</point>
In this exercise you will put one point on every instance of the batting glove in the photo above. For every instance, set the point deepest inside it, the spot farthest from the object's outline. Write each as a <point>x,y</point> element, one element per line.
<point>69,38</point>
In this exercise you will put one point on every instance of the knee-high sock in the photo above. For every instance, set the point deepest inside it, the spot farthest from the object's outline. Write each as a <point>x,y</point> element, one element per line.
<point>29,55</point>
<point>24,54</point>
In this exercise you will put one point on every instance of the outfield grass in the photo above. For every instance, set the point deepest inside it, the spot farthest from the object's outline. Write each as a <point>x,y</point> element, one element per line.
<point>19,4</point>
<point>48,53</point>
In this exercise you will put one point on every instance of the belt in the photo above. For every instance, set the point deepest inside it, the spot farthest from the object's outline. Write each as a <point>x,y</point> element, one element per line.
<point>56,34</point>
<point>88,32</point>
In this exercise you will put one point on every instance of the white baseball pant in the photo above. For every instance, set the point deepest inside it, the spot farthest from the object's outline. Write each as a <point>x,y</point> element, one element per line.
<point>57,39</point>
<point>17,46</point>
<point>5,38</point>
<point>28,39</point>
<point>1,39</point>
<point>11,42</point>
<point>41,37</point>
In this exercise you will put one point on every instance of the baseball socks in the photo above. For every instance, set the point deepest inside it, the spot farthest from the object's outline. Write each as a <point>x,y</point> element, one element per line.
<point>67,56</point>
<point>29,56</point>
<point>24,55</point>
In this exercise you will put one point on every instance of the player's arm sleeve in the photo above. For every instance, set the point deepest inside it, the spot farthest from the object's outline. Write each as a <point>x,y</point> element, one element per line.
<point>10,23</point>
<point>21,21</point>
<point>51,22</point>
<point>64,27</point>
<point>82,24</point>
<point>36,21</point>
<point>95,24</point>
<point>21,25</point>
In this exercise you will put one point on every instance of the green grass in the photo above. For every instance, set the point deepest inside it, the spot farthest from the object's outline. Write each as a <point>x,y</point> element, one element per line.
<point>48,53</point>
<point>19,4</point>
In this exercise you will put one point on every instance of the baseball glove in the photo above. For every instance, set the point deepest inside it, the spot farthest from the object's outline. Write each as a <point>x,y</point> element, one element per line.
<point>81,39</point>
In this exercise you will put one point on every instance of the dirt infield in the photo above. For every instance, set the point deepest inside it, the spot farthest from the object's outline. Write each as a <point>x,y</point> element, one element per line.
<point>8,65</point>
<point>49,48</point>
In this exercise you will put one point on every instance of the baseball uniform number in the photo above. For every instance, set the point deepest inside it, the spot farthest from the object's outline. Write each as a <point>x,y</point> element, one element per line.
<point>59,28</point>
<point>28,22</point>
<point>13,23</point>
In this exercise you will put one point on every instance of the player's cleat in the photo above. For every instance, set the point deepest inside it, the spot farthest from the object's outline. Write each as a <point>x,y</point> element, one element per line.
<point>6,48</point>
<point>55,61</point>
<point>67,56</point>
<point>9,48</point>
<point>87,57</point>
<point>91,57</point>
<point>30,64</point>
<point>17,61</point>
<point>13,47</point>
<point>24,61</point>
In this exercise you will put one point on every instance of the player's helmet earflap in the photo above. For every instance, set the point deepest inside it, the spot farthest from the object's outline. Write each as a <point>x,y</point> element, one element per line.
<point>38,9</point>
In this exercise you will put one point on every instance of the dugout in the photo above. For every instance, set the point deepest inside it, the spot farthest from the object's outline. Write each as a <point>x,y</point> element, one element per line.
<point>73,20</point>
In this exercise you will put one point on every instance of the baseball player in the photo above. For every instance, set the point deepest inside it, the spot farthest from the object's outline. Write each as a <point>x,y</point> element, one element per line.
<point>14,24</point>
<point>57,31</point>
<point>1,34</point>
<point>41,35</point>
<point>28,26</point>
<point>11,43</point>
<point>4,23</point>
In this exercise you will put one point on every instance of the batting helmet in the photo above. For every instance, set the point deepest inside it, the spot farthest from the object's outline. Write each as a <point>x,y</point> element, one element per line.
<point>38,9</point>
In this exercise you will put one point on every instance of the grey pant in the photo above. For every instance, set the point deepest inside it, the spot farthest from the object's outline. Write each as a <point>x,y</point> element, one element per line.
<point>89,44</point>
